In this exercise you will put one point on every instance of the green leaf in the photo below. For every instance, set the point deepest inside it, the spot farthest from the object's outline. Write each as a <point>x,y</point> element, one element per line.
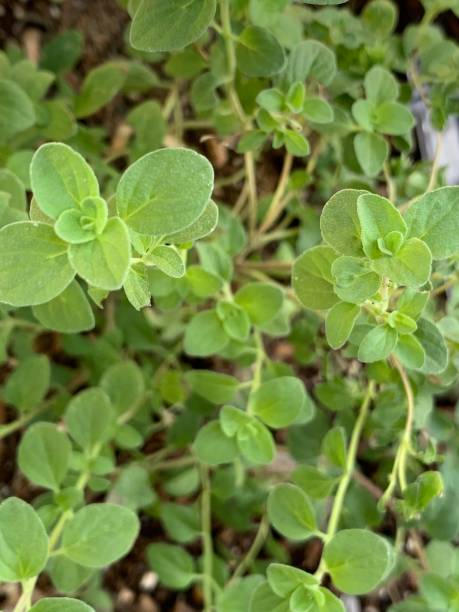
<point>166,259</point>
<point>380,18</point>
<point>378,218</point>
<point>68,313</point>
<point>256,442</point>
<point>311,59</point>
<point>165,191</point>
<point>418,495</point>
<point>44,455</point>
<point>340,322</point>
<point>77,226</point>
<point>278,402</point>
<point>60,122</point>
<point>401,322</point>
<point>434,218</point>
<point>215,387</point>
<point>236,321</point>
<point>258,53</point>
<point>213,447</point>
<point>133,488</point>
<point>67,576</point>
<point>371,151</point>
<point>357,560</point>
<point>272,100</point>
<point>34,265</point>
<point>393,118</point>
<point>284,580</point>
<point>261,301</point>
<point>265,13</point>
<point>334,446</point>
<point>203,284</point>
<point>233,419</point>
<point>291,512</point>
<point>90,419</point>
<point>181,523</point>
<point>312,278</point>
<point>264,599</point>
<point>16,110</point>
<point>24,543</point>
<point>149,126</point>
<point>61,179</point>
<point>205,334</point>
<point>410,352</point>
<point>411,266</point>
<point>412,302</point>
<point>236,596</point>
<point>251,141</point>
<point>317,110</point>
<point>314,483</point>
<point>354,280</point>
<point>381,85</point>
<point>124,384</point>
<point>137,286</point>
<point>377,344</point>
<point>99,534</point>
<point>434,346</point>
<point>202,227</point>
<point>104,261</point>
<point>99,87</point>
<point>159,26</point>
<point>363,112</point>
<point>339,222</point>
<point>62,52</point>
<point>28,385</point>
<point>174,566</point>
<point>60,604</point>
<point>295,143</point>
<point>14,188</point>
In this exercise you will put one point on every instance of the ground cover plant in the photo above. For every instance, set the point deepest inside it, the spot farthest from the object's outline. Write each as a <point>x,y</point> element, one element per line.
<point>229,301</point>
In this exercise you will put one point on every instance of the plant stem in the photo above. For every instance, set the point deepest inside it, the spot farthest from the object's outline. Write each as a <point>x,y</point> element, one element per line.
<point>9,428</point>
<point>249,160</point>
<point>436,163</point>
<point>206,526</point>
<point>252,553</point>
<point>391,188</point>
<point>256,381</point>
<point>348,471</point>
<point>28,586</point>
<point>398,472</point>
<point>277,204</point>
<point>25,601</point>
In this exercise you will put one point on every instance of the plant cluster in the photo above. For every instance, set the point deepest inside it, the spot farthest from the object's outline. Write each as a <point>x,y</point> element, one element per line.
<point>210,347</point>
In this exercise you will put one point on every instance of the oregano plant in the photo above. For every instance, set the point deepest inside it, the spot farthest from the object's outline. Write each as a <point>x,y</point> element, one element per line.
<point>229,320</point>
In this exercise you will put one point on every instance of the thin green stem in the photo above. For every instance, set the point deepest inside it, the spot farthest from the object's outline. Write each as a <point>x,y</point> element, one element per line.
<point>252,553</point>
<point>277,202</point>
<point>348,471</point>
<point>391,187</point>
<point>249,160</point>
<point>25,601</point>
<point>436,163</point>
<point>206,527</point>
<point>9,428</point>
<point>258,366</point>
<point>399,468</point>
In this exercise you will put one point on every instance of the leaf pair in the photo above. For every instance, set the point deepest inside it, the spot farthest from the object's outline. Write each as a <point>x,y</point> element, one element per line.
<point>96,536</point>
<point>379,114</point>
<point>162,193</point>
<point>276,403</point>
